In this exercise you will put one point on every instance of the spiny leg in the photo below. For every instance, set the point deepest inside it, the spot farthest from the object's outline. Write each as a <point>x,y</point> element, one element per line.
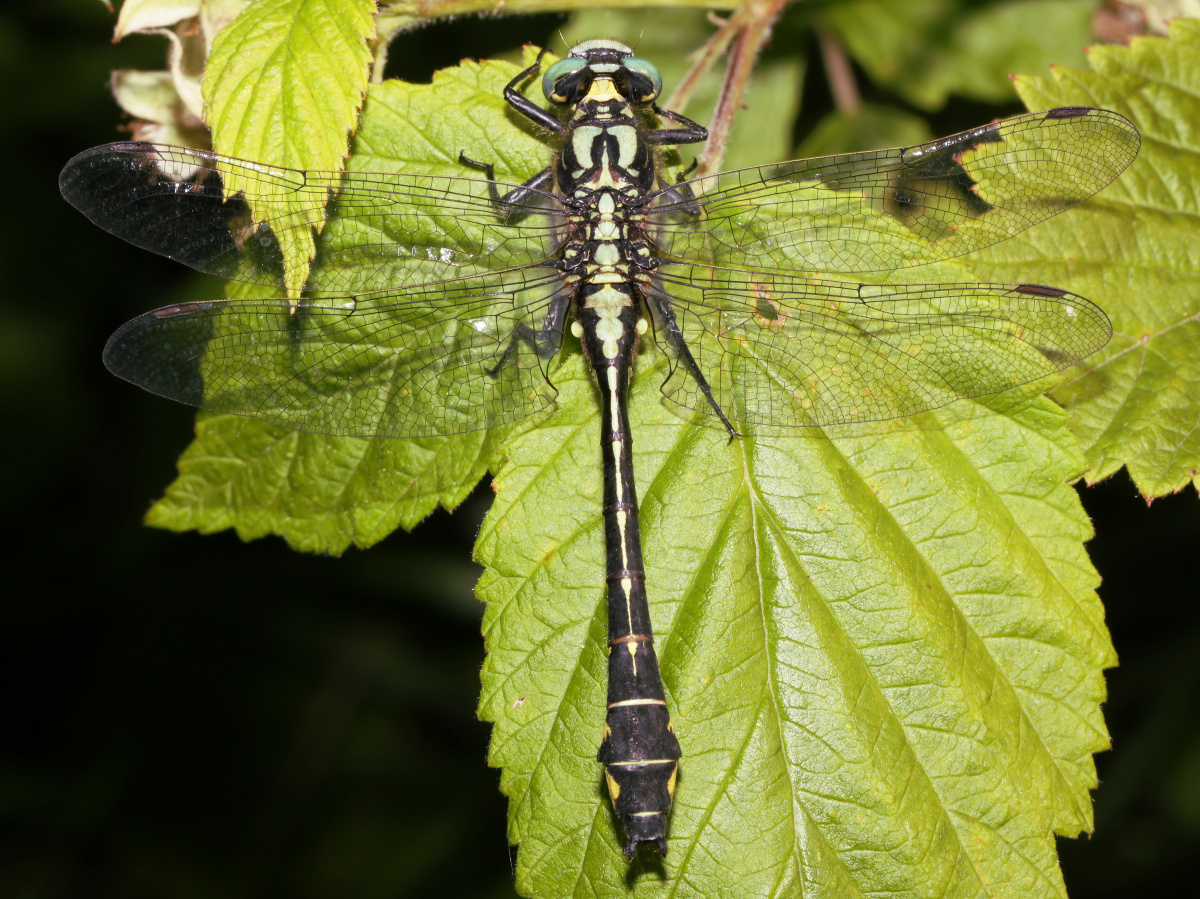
<point>527,107</point>
<point>662,305</point>
<point>515,205</point>
<point>690,133</point>
<point>519,202</point>
<point>680,194</point>
<point>544,342</point>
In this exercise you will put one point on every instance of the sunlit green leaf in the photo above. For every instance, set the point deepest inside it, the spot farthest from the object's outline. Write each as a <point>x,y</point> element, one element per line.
<point>283,86</point>
<point>325,493</point>
<point>1139,401</point>
<point>320,493</point>
<point>881,643</point>
<point>881,647</point>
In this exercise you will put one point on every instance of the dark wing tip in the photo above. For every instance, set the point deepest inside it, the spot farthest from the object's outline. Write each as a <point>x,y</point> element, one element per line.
<point>1069,112</point>
<point>1040,290</point>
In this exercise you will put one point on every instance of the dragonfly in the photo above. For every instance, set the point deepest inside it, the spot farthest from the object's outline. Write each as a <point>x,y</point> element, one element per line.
<point>430,305</point>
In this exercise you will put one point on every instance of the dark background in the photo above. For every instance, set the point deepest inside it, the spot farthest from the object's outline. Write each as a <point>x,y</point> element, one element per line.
<point>190,716</point>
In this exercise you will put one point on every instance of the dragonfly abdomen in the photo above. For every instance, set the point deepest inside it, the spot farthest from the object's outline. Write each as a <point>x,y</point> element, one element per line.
<point>640,752</point>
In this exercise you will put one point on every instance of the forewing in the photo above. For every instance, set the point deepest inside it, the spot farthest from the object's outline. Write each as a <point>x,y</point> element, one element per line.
<point>790,351</point>
<point>889,209</point>
<point>384,229</point>
<point>426,360</point>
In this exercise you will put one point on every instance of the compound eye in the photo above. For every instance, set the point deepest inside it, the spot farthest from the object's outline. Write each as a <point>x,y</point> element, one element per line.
<point>563,69</point>
<point>645,83</point>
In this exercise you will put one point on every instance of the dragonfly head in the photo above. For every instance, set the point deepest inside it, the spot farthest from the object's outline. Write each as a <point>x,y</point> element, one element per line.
<point>598,64</point>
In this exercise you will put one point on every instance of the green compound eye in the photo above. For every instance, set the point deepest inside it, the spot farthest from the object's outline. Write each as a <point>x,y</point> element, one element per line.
<point>651,85</point>
<point>557,72</point>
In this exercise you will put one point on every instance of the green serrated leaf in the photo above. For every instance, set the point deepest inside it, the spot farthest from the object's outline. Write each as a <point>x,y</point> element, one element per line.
<point>283,86</point>
<point>324,493</point>
<point>320,493</point>
<point>422,128</point>
<point>881,646</point>
<point>928,49</point>
<point>1138,402</point>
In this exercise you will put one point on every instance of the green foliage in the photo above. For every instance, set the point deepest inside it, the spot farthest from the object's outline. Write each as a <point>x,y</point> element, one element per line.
<point>324,493</point>
<point>867,128</point>
<point>283,86</point>
<point>871,638</point>
<point>320,493</point>
<point>925,50</point>
<point>1138,402</point>
<point>881,645</point>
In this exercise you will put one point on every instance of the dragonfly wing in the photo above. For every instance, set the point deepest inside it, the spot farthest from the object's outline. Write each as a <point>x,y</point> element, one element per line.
<point>420,361</point>
<point>889,209</point>
<point>793,352</point>
<point>383,230</point>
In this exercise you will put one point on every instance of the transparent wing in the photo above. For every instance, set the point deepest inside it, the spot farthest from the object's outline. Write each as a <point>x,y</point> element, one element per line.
<point>384,229</point>
<point>792,351</point>
<point>889,209</point>
<point>427,360</point>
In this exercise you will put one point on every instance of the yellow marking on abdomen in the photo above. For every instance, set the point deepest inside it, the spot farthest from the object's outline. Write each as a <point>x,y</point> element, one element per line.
<point>625,702</point>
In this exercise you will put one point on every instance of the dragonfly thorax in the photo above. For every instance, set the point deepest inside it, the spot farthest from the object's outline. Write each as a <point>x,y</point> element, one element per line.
<point>605,148</point>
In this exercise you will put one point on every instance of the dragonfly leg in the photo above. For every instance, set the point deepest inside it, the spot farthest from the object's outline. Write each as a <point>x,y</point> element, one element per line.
<point>666,314</point>
<point>527,107</point>
<point>515,205</point>
<point>545,342</point>
<point>549,339</point>
<point>680,194</point>
<point>690,133</point>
